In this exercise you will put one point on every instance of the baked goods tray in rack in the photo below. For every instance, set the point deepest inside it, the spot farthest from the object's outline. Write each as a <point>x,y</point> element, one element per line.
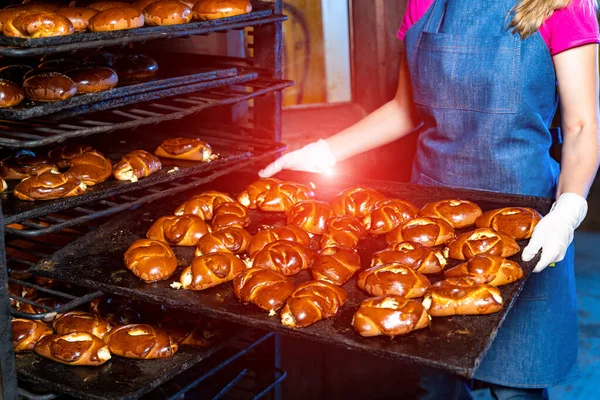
<point>456,344</point>
<point>262,13</point>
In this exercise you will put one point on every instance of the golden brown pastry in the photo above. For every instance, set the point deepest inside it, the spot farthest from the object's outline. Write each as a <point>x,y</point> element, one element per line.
<point>167,12</point>
<point>37,25</point>
<point>426,260</point>
<point>79,321</point>
<point>389,315</point>
<point>310,215</point>
<point>387,214</point>
<point>517,222</point>
<point>90,167</point>
<point>79,16</point>
<point>211,270</point>
<point>248,197</point>
<point>393,279</point>
<point>461,296</point>
<point>343,231</point>
<point>458,213</point>
<point>311,302</point>
<point>8,14</point>
<point>285,257</point>
<point>266,236</point>
<point>185,149</point>
<point>215,9</point>
<point>264,288</point>
<point>48,186</point>
<point>227,240</point>
<point>228,215</point>
<point>3,185</point>
<point>480,241</point>
<point>116,19</point>
<point>135,165</point>
<point>24,166</point>
<point>93,79</point>
<point>357,202</point>
<point>282,197</point>
<point>335,265</point>
<point>26,333</point>
<point>62,156</point>
<point>18,290</point>
<point>78,348</point>
<point>150,260</point>
<point>204,204</point>
<point>140,341</point>
<point>135,67</point>
<point>10,94</point>
<point>49,87</point>
<point>486,268</point>
<point>423,230</point>
<point>185,230</point>
<point>107,5</point>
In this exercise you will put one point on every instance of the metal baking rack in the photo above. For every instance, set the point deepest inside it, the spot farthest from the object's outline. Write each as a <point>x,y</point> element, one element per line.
<point>262,14</point>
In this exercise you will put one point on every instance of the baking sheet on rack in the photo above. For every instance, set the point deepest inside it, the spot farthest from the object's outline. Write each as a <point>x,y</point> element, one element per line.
<point>456,344</point>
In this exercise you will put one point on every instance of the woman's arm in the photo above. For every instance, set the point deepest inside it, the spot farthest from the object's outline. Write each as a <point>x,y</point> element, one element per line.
<point>577,74</point>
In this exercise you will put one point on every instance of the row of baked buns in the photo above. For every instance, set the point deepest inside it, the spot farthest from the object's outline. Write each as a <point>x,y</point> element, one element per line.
<point>90,338</point>
<point>42,179</point>
<point>47,18</point>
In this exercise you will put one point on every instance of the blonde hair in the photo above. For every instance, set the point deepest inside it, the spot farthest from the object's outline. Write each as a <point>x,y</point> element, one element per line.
<point>529,15</point>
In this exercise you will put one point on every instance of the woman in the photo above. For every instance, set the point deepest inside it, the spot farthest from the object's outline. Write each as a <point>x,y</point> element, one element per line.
<point>481,79</point>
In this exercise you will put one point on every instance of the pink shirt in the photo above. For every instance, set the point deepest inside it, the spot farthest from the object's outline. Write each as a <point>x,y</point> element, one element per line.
<point>572,26</point>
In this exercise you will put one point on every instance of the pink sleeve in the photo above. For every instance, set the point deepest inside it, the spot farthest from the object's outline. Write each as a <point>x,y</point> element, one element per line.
<point>573,26</point>
<point>415,9</point>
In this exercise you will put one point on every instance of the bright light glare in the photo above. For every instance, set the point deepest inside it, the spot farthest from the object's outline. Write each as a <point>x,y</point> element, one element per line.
<point>329,172</point>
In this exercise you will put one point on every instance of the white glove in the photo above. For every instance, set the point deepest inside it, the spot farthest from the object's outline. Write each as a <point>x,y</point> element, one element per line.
<point>554,233</point>
<point>314,157</point>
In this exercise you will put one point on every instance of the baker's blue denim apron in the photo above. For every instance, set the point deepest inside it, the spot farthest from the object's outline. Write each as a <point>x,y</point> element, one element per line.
<point>487,98</point>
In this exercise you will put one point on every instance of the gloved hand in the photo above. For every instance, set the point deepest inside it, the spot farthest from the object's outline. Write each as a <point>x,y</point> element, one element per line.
<point>314,157</point>
<point>554,233</point>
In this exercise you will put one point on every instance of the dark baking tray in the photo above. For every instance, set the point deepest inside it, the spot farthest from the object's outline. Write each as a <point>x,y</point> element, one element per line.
<point>185,79</point>
<point>456,344</point>
<point>23,47</point>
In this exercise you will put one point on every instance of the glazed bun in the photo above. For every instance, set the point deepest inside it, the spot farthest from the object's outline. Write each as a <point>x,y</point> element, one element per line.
<point>8,15</point>
<point>10,94</point>
<point>215,9</point>
<point>117,19</point>
<point>37,25</point>
<point>517,222</point>
<point>167,12</point>
<point>133,67</point>
<point>92,80</point>
<point>79,16</point>
<point>389,315</point>
<point>49,87</point>
<point>458,213</point>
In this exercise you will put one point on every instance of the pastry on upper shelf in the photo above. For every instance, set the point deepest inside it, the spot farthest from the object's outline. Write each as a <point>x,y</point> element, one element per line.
<point>480,241</point>
<point>10,94</point>
<point>249,196</point>
<point>90,167</point>
<point>423,230</point>
<point>282,197</point>
<point>26,333</point>
<point>14,73</point>
<point>204,204</point>
<point>264,288</point>
<point>310,215</point>
<point>426,260</point>
<point>232,214</point>
<point>79,16</point>
<point>462,296</point>
<point>186,149</point>
<point>62,156</point>
<point>311,302</point>
<point>517,222</point>
<point>49,87</point>
<point>227,240</point>
<point>79,321</point>
<point>387,214</point>
<point>458,213</point>
<point>486,268</point>
<point>25,165</point>
<point>150,260</point>
<point>343,231</point>
<point>266,236</point>
<point>390,315</point>
<point>48,186</point>
<point>335,265</point>
<point>357,201</point>
<point>210,270</point>
<point>78,348</point>
<point>135,165</point>
<point>393,279</point>
<point>93,79</point>
<point>285,257</point>
<point>37,25</point>
<point>184,230</point>
<point>140,341</point>
<point>116,19</point>
<point>132,68</point>
<point>167,12</point>
<point>215,9</point>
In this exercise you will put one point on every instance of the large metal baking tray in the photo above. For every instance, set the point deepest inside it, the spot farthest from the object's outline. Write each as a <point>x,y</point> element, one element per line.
<point>456,344</point>
<point>185,81</point>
